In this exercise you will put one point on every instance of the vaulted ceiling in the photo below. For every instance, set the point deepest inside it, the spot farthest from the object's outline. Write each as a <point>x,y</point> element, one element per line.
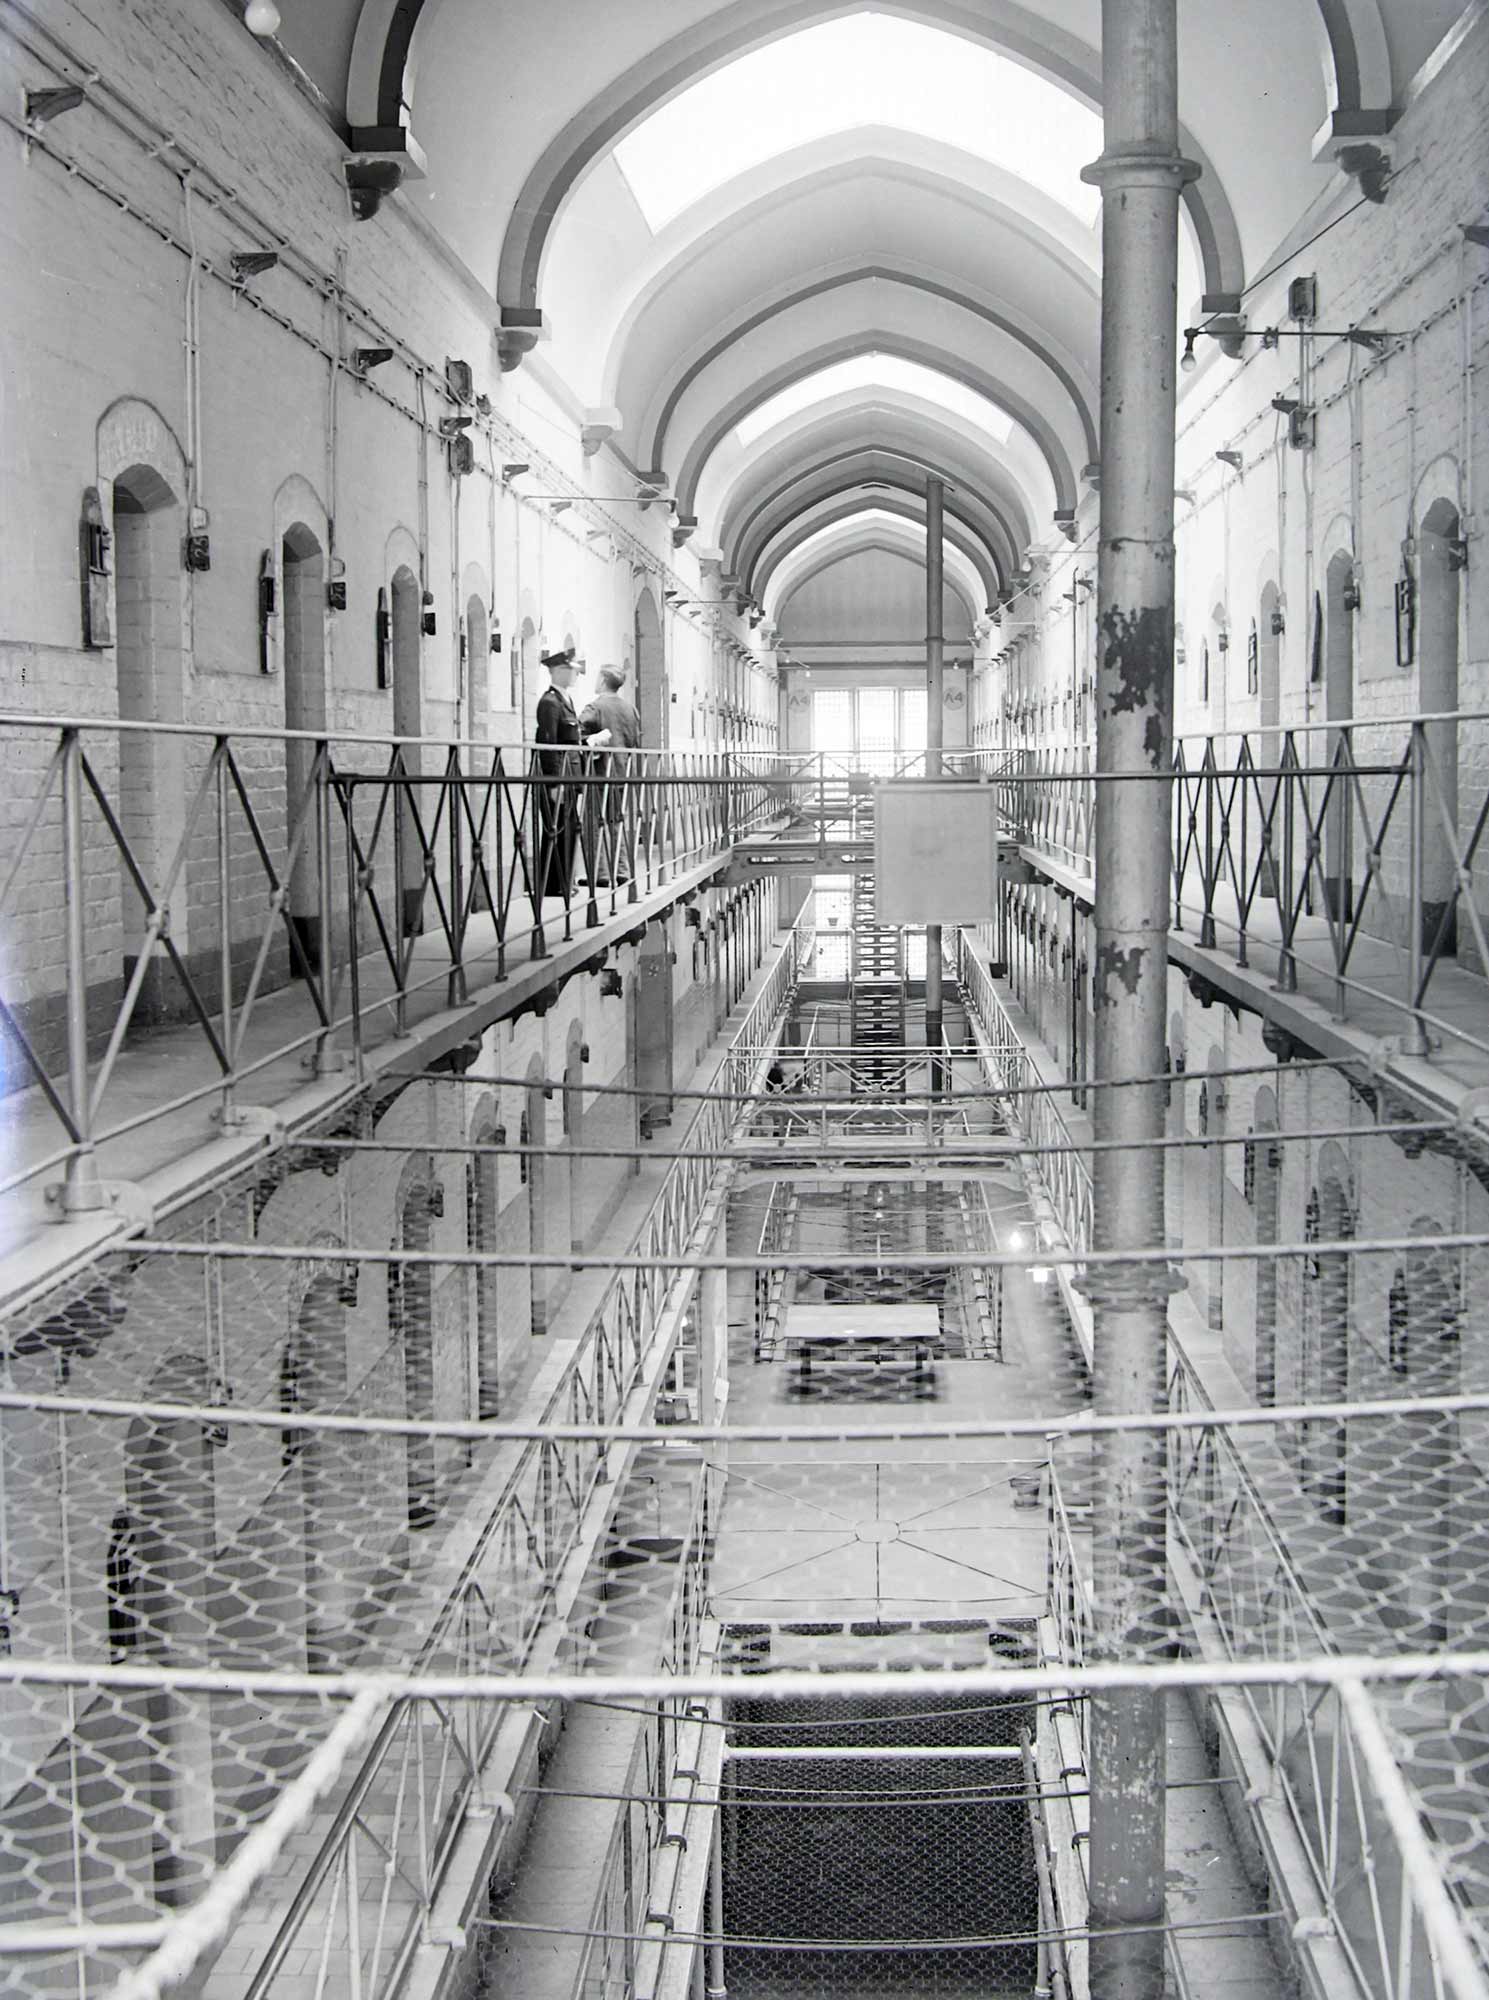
<point>802,252</point>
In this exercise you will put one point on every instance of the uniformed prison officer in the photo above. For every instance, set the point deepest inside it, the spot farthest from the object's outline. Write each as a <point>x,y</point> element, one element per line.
<point>558,761</point>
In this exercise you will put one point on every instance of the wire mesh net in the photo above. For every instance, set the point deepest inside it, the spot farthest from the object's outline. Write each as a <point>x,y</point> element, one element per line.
<point>337,1580</point>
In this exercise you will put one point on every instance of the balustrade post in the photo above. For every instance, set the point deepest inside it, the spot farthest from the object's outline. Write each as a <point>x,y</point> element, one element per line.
<point>327,1058</point>
<point>81,1190</point>
<point>1415,1041</point>
<point>355,881</point>
<point>402,933</point>
<point>455,985</point>
<point>1287,965</point>
<point>227,1112</point>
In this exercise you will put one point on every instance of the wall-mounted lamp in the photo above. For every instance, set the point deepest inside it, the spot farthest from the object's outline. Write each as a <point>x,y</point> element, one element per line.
<point>612,985</point>
<point>1278,623</point>
<point>365,359</point>
<point>452,426</point>
<point>1232,338</point>
<point>559,506</point>
<point>336,585</point>
<point>427,621</point>
<point>268,606</point>
<point>42,106</point>
<point>252,263</point>
<point>1231,458</point>
<point>1349,597</point>
<point>514,471</point>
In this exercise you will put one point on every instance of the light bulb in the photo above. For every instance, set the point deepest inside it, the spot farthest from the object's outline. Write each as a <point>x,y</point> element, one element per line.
<point>1187,360</point>
<point>261,17</point>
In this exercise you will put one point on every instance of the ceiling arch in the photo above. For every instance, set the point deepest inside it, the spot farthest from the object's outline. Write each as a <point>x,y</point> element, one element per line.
<point>860,506</point>
<point>684,374</point>
<point>839,545</point>
<point>836,457</point>
<point>847,478</point>
<point>1040,44</point>
<point>1038,428</point>
<point>618,300</point>
<point>1365,51</point>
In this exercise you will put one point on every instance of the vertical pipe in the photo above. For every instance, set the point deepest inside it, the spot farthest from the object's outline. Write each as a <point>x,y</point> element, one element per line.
<point>1140,173</point>
<point>935,493</point>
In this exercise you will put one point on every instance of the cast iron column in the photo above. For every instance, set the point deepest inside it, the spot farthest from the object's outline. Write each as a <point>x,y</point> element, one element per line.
<point>935,493</point>
<point>1140,174</point>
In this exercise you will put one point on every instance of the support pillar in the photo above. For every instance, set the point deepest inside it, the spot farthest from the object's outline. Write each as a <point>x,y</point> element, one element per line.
<point>935,727</point>
<point>1141,174</point>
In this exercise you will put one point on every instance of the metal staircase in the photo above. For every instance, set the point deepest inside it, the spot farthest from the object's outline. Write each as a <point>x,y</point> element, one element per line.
<point>876,991</point>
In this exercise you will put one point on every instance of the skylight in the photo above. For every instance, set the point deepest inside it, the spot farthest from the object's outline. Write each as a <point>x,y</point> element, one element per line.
<point>866,69</point>
<point>886,373</point>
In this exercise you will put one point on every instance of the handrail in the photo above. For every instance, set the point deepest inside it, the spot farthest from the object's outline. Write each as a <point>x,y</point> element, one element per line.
<point>668,1217</point>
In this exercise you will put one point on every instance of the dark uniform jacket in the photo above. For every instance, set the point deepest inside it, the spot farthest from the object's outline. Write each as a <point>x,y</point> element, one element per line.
<point>557,724</point>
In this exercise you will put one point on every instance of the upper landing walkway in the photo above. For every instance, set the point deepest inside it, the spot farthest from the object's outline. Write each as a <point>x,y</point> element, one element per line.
<point>213,937</point>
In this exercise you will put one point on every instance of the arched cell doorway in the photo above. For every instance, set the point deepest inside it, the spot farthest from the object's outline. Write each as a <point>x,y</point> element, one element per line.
<point>151,678</point>
<point>1423,1505</point>
<point>1263,1171</point>
<point>1323,1355</point>
<point>171,1510</point>
<point>411,1321</point>
<point>483,1235</point>
<point>332,1467</point>
<point>303,568</point>
<point>477,642</point>
<point>574,1134</point>
<point>408,720</point>
<point>651,674</point>
<point>1339,706</point>
<point>1437,694</point>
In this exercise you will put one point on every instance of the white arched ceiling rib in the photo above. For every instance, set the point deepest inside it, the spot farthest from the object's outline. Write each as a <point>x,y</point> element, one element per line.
<point>862,195</point>
<point>500,118</point>
<point>866,513</point>
<point>833,455</point>
<point>842,482</point>
<point>1032,457</point>
<point>1067,384</point>
<point>1032,38</point>
<point>866,309</point>
<point>890,538</point>
<point>1354,55</point>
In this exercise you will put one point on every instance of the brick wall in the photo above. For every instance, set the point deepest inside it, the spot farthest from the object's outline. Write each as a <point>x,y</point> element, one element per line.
<point>91,334</point>
<point>1394,432</point>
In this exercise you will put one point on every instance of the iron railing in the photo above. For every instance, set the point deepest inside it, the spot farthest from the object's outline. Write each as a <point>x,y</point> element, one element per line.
<point>1366,1882</point>
<point>1059,1170</point>
<point>533,1533</point>
<point>1345,858</point>
<point>159,873</point>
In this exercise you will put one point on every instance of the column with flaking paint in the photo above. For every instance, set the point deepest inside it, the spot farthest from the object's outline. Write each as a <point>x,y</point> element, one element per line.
<point>1141,174</point>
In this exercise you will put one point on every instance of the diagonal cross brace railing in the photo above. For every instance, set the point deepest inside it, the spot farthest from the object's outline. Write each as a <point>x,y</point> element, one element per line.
<point>364,874</point>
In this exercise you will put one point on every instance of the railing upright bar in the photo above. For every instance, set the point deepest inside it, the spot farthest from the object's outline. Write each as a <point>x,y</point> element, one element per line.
<point>81,1190</point>
<point>325,1059</point>
<point>1415,1041</point>
<point>227,1110</point>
